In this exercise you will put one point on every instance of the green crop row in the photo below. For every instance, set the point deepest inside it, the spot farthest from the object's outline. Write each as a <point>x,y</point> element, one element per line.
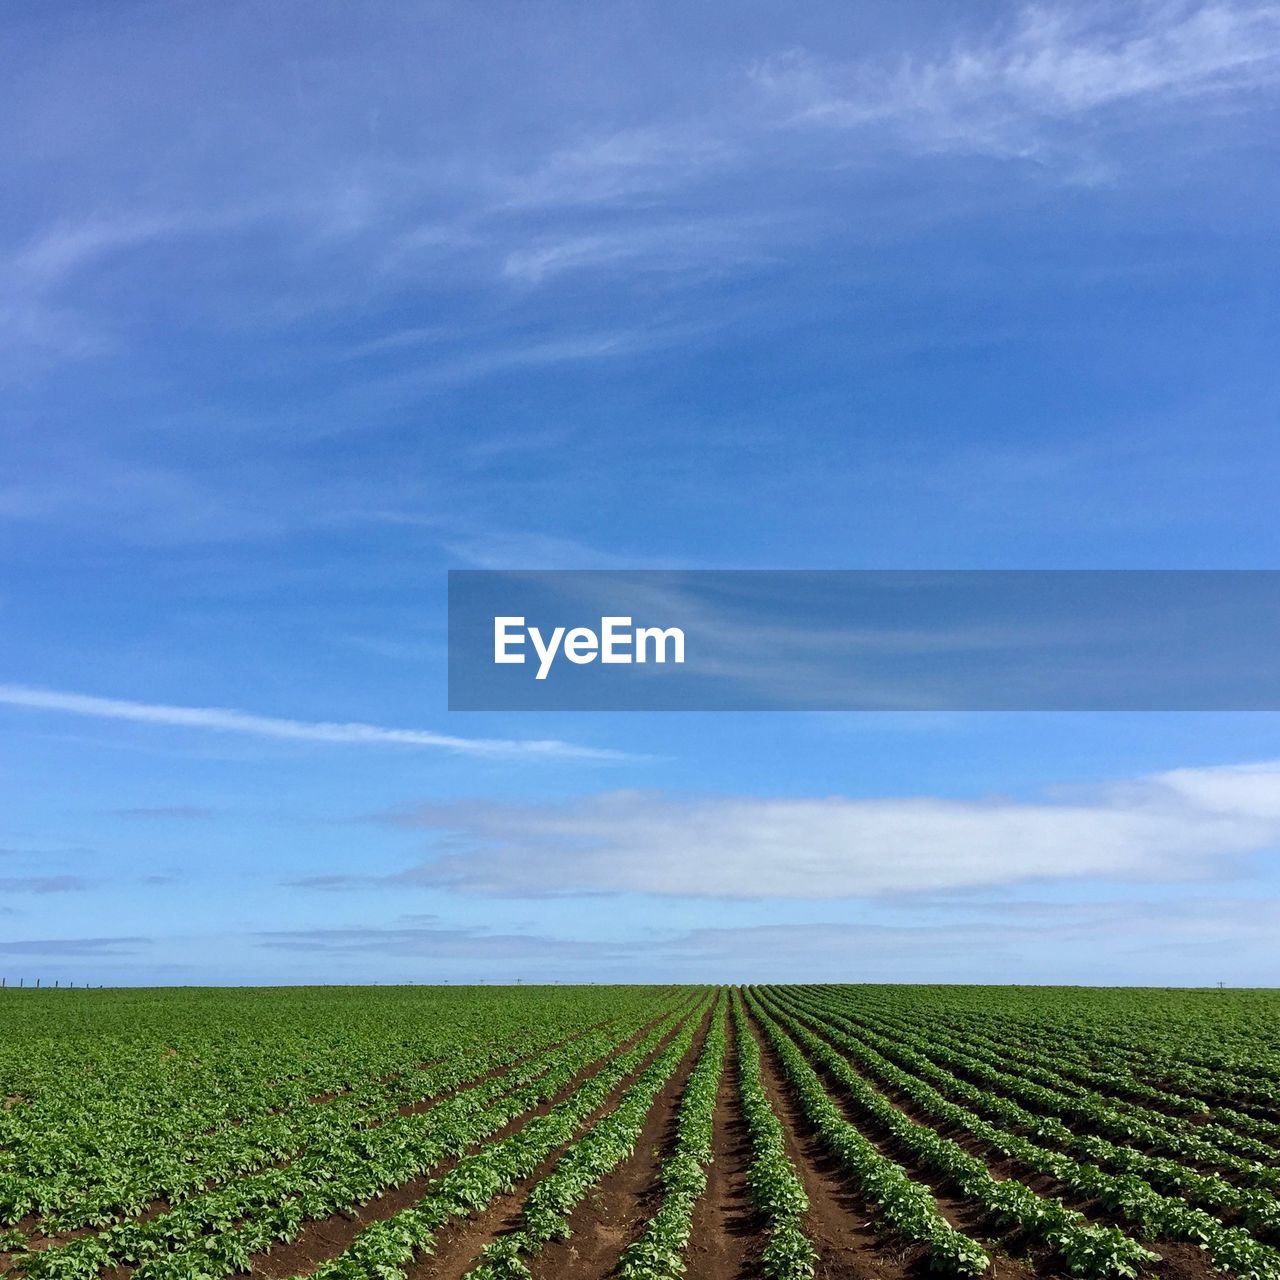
<point>1224,1048</point>
<point>215,1231</point>
<point>1152,1215</point>
<point>659,1252</point>
<point>1048,1090</point>
<point>67,1204</point>
<point>1258,1209</point>
<point>606,1144</point>
<point>118,1100</point>
<point>907,1207</point>
<point>383,1249</point>
<point>776,1189</point>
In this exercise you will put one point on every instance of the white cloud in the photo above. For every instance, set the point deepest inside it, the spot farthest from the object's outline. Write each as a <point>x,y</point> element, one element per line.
<point>1186,824</point>
<point>680,246</point>
<point>1007,94</point>
<point>62,248</point>
<point>1254,788</point>
<point>623,165</point>
<point>444,213</point>
<point>223,720</point>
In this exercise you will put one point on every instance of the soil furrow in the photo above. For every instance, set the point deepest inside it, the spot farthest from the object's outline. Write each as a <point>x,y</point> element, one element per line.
<point>963,1212</point>
<point>459,1242</point>
<point>616,1211</point>
<point>1184,1262</point>
<point>839,1221</point>
<point>727,1232</point>
<point>160,1206</point>
<point>163,1206</point>
<point>327,1237</point>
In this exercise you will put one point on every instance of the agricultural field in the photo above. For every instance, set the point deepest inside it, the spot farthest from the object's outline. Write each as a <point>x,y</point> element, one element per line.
<point>639,1132</point>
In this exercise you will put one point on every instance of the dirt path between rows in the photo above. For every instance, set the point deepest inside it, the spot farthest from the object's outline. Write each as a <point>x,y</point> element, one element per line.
<point>727,1234</point>
<point>615,1212</point>
<point>839,1221</point>
<point>460,1241</point>
<point>327,1237</point>
<point>1010,1064</point>
<point>962,1212</point>
<point>161,1205</point>
<point>1178,1261</point>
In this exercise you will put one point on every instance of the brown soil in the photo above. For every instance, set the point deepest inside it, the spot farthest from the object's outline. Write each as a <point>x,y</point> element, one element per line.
<point>326,1238</point>
<point>839,1221</point>
<point>1013,1065</point>
<point>459,1242</point>
<point>1183,1262</point>
<point>1180,1261</point>
<point>727,1234</point>
<point>39,1242</point>
<point>615,1212</point>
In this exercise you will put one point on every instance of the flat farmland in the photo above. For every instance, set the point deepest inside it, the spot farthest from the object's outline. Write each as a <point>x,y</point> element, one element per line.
<point>640,1132</point>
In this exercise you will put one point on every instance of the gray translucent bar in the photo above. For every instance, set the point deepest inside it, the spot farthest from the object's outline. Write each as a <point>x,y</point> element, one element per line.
<point>858,640</point>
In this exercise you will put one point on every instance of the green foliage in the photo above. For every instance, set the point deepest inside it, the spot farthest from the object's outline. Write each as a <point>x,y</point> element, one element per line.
<point>927,1085</point>
<point>604,1146</point>
<point>485,1088</point>
<point>659,1253</point>
<point>180,1134</point>
<point>775,1188</point>
<point>907,1207</point>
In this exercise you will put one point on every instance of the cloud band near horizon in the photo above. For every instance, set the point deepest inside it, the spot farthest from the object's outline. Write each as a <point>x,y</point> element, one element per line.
<point>1180,826</point>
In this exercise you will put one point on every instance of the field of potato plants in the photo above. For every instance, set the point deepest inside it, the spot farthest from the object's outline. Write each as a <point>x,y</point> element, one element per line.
<point>645,1133</point>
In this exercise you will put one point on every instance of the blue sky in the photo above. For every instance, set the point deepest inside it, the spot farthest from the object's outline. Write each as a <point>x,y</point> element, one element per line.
<point>301,306</point>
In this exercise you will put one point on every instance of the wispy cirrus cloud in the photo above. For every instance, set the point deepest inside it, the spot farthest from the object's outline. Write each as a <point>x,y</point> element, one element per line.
<point>58,250</point>
<point>1181,825</point>
<point>225,720</point>
<point>661,196</point>
<point>654,248</point>
<point>492,547</point>
<point>39,276</point>
<point>1016,90</point>
<point>618,166</point>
